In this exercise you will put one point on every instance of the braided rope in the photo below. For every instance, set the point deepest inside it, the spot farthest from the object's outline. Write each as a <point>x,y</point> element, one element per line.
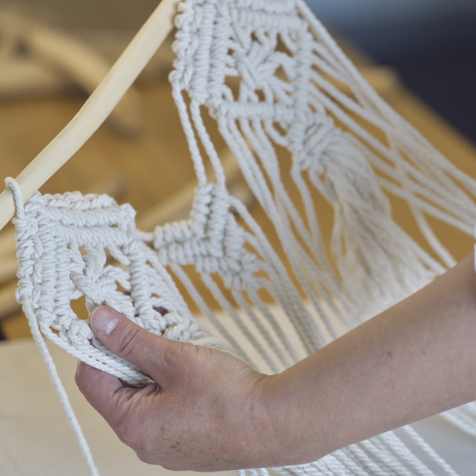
<point>265,70</point>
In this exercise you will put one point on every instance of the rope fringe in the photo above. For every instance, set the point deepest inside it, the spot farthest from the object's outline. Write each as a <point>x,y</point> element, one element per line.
<point>268,73</point>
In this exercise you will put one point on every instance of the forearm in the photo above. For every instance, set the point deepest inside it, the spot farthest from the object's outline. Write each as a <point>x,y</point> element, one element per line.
<point>412,361</point>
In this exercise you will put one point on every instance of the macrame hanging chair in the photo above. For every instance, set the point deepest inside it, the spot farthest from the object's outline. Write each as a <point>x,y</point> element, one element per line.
<point>274,82</point>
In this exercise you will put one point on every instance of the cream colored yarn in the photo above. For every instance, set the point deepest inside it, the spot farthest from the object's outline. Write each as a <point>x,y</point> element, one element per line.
<point>266,72</point>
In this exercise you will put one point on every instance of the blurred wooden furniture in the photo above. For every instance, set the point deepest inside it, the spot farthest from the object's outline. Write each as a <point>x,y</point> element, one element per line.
<point>34,56</point>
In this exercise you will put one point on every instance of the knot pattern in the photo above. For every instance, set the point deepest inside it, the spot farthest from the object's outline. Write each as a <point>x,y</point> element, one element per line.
<point>211,240</point>
<point>71,247</point>
<point>255,61</point>
<point>320,145</point>
<point>222,43</point>
<point>273,78</point>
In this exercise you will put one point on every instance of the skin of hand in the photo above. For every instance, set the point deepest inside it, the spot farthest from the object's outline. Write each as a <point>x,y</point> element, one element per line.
<point>210,412</point>
<point>204,413</point>
<point>412,361</point>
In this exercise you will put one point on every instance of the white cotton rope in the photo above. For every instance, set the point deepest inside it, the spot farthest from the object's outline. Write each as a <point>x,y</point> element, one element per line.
<point>51,231</point>
<point>267,73</point>
<point>44,351</point>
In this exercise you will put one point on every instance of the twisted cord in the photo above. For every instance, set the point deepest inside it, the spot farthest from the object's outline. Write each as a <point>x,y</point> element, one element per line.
<point>63,248</point>
<point>15,190</point>
<point>275,52</point>
<point>257,66</point>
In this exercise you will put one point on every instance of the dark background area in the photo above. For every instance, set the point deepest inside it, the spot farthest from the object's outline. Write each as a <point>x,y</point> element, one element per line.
<point>431,43</point>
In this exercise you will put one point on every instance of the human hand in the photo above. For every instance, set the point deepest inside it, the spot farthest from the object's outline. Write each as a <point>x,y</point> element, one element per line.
<point>205,411</point>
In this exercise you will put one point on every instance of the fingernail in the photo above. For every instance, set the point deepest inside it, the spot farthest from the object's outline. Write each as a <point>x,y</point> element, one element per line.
<point>104,320</point>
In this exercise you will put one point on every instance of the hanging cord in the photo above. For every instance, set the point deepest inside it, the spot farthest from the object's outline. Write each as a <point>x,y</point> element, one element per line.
<point>15,190</point>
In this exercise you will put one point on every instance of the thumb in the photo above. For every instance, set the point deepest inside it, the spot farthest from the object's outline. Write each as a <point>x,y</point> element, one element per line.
<point>155,356</point>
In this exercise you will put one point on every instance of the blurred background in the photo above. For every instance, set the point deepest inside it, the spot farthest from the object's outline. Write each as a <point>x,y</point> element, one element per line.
<point>419,55</point>
<point>431,43</point>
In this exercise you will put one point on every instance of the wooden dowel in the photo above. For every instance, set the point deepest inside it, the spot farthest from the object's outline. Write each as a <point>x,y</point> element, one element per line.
<point>96,109</point>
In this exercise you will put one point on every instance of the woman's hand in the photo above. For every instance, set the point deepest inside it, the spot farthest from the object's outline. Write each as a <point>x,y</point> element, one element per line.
<point>205,412</point>
<point>211,412</point>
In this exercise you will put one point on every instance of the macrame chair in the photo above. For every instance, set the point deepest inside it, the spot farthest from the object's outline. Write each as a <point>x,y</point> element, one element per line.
<point>272,79</point>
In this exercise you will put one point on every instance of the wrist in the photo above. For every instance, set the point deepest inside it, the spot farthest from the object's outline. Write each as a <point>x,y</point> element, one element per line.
<point>252,436</point>
<point>291,418</point>
<point>273,424</point>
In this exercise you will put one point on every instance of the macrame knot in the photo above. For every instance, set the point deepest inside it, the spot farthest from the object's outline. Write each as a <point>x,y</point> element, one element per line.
<point>79,333</point>
<point>208,220</point>
<point>252,71</point>
<point>73,247</point>
<point>184,46</point>
<point>314,153</point>
<point>25,245</point>
<point>267,6</point>
<point>211,240</point>
<point>273,79</point>
<point>192,46</point>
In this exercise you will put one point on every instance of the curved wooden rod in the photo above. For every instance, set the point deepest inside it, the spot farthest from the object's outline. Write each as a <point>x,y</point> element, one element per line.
<point>96,109</point>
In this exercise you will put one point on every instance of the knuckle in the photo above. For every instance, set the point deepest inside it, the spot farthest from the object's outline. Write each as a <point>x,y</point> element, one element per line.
<point>169,356</point>
<point>195,350</point>
<point>128,435</point>
<point>172,466</point>
<point>78,377</point>
<point>82,380</point>
<point>146,457</point>
<point>128,340</point>
<point>125,427</point>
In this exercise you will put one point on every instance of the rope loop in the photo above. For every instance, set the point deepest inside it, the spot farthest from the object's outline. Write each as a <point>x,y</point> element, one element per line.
<point>17,195</point>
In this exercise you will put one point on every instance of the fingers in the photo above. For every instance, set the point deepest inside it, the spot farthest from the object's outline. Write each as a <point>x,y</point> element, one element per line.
<point>101,390</point>
<point>119,405</point>
<point>155,356</point>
